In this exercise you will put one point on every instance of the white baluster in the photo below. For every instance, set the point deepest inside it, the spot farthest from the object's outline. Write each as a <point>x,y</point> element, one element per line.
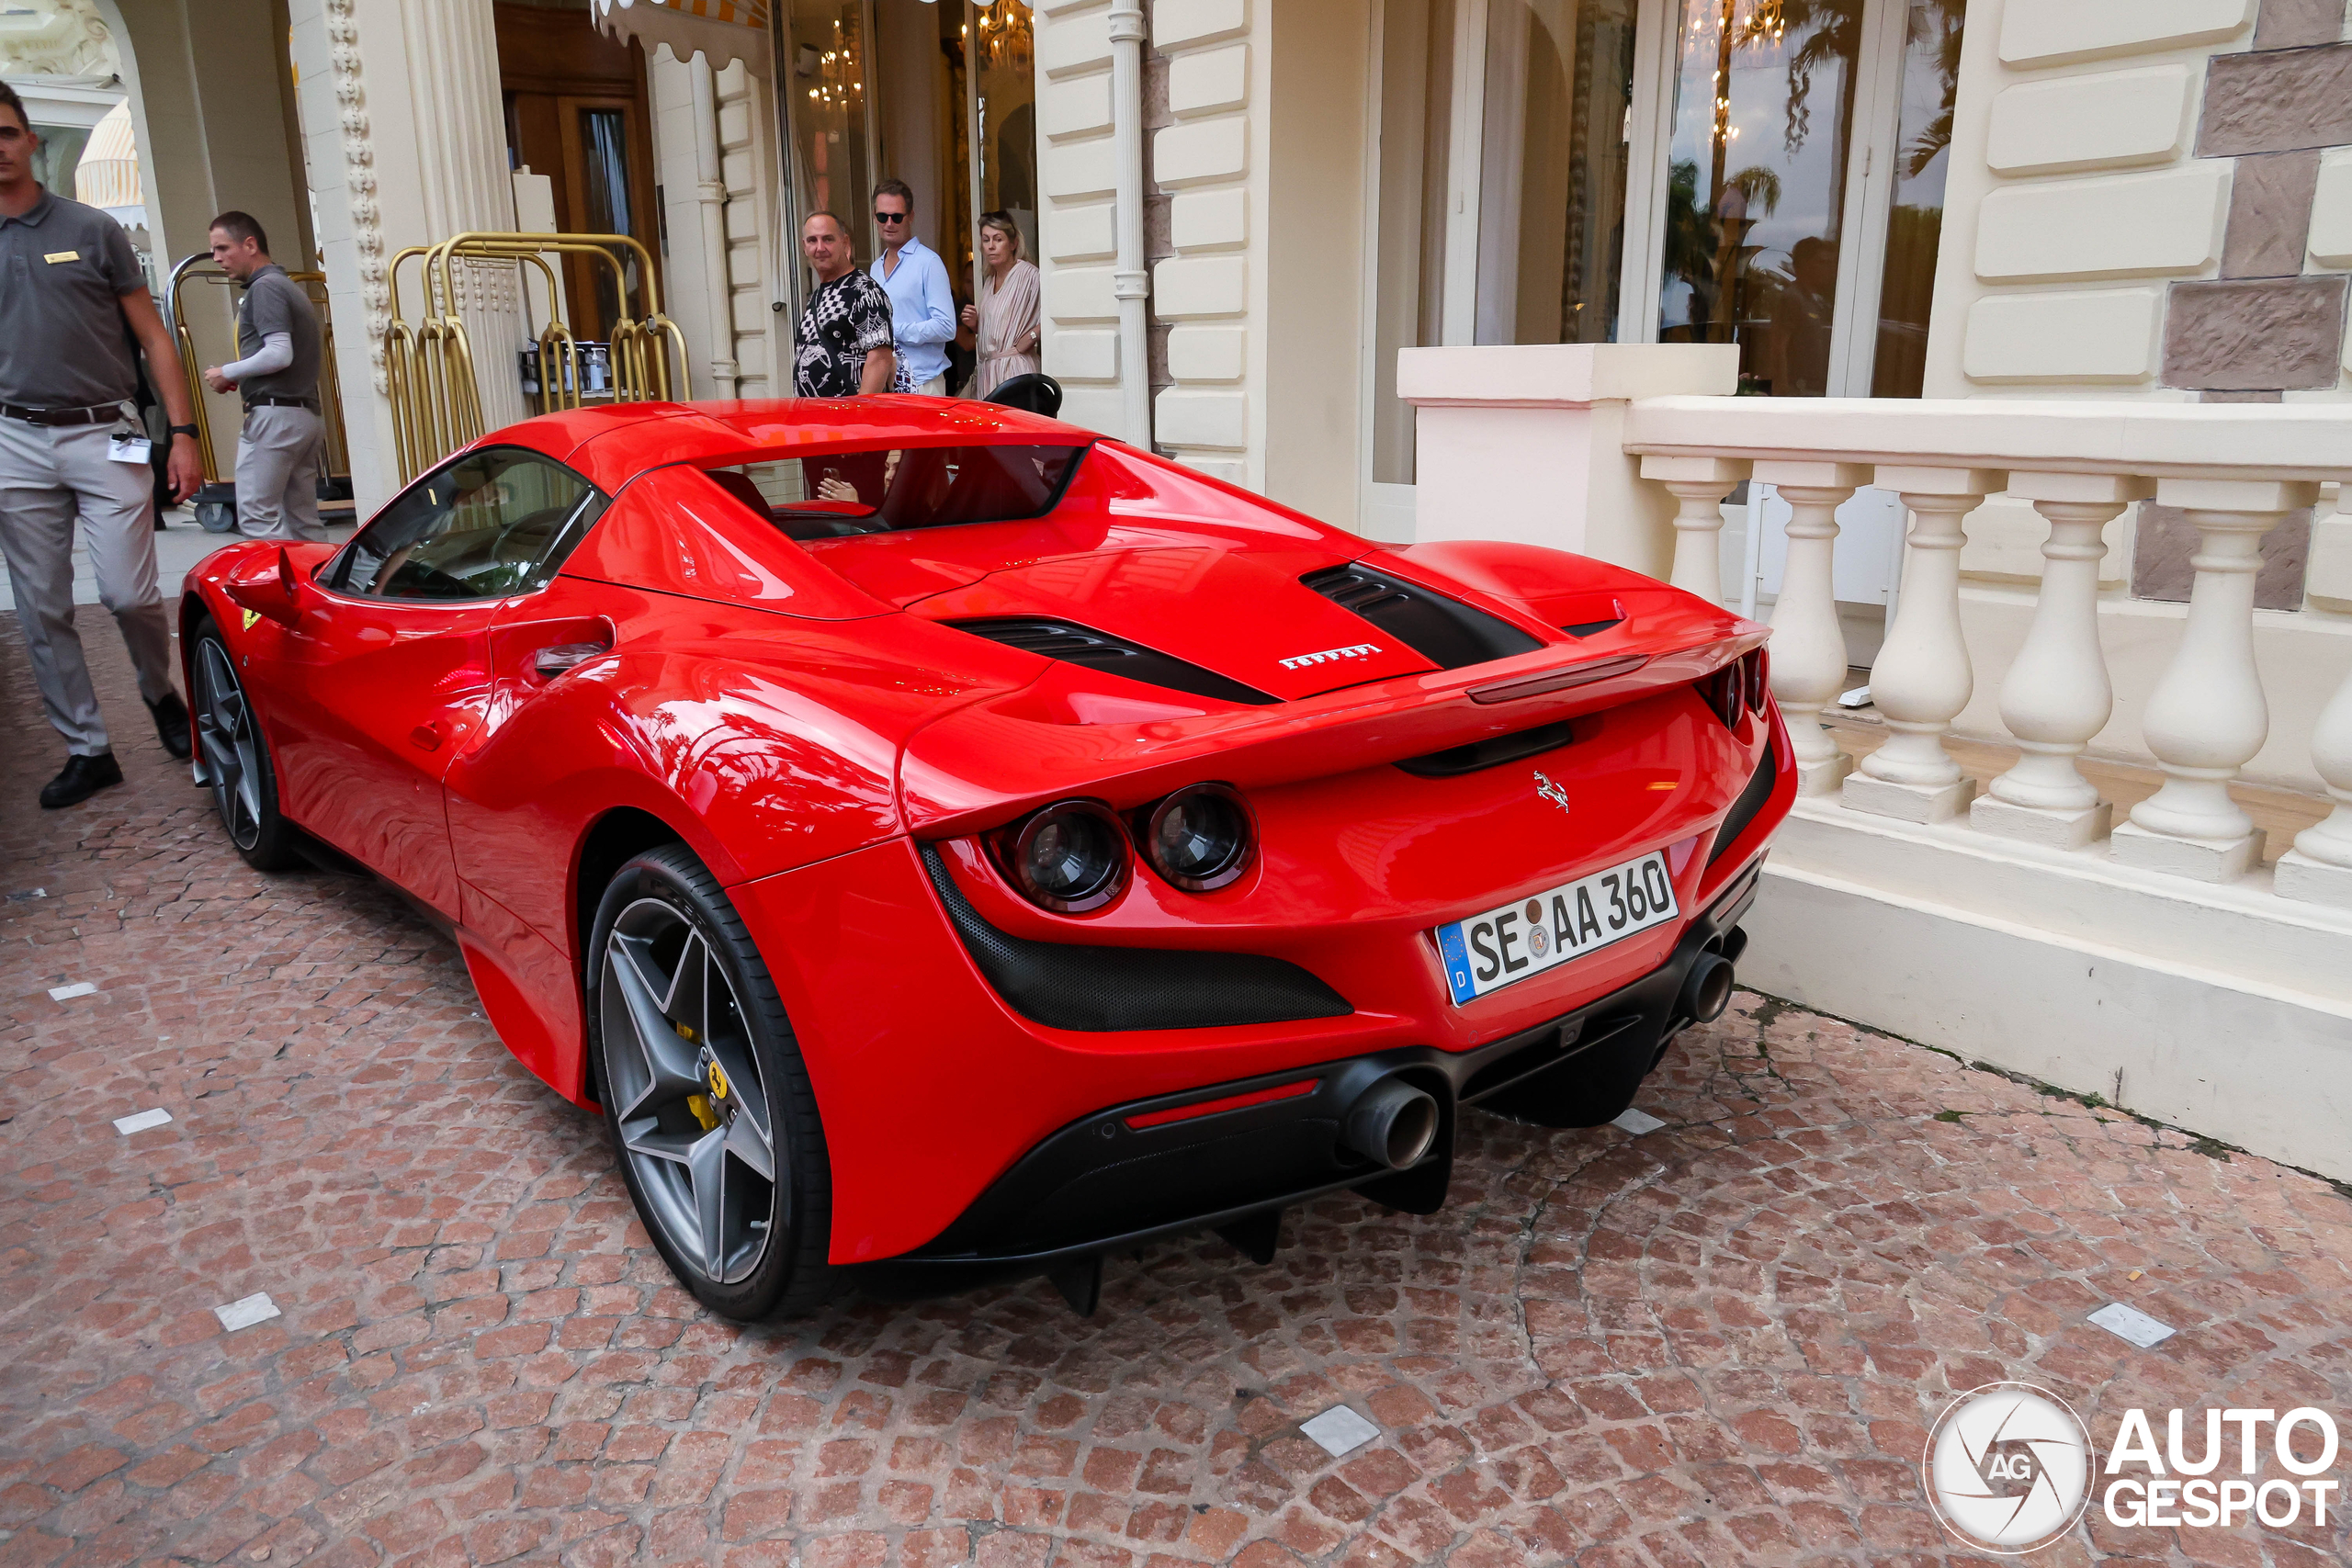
<point>2206,718</point>
<point>1699,486</point>
<point>2056,697</point>
<point>1921,679</point>
<point>1808,645</point>
<point>2319,868</point>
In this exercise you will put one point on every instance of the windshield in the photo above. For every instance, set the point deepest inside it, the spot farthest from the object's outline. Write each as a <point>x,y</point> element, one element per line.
<point>838,493</point>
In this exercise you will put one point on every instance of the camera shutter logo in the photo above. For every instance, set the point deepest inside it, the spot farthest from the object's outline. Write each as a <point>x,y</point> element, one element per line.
<point>2008,1468</point>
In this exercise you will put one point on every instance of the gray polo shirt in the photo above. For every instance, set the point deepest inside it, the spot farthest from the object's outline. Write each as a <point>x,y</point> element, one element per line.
<point>275,303</point>
<point>63,341</point>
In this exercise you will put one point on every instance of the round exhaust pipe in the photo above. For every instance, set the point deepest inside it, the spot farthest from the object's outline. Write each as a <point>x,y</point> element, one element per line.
<point>1392,1123</point>
<point>1706,990</point>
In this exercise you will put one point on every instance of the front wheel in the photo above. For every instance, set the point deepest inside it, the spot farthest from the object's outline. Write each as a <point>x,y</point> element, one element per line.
<point>236,759</point>
<point>707,1094</point>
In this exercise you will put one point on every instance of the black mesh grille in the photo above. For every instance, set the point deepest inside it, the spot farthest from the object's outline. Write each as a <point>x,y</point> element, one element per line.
<point>1100,651</point>
<point>1491,752</point>
<point>1097,990</point>
<point>1450,635</point>
<point>1751,801</point>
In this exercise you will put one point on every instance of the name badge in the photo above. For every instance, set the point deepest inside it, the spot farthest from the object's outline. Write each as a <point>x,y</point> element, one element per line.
<point>130,449</point>
<point>56,256</point>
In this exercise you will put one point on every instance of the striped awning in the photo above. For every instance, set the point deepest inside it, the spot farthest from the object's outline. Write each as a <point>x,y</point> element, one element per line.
<point>108,175</point>
<point>725,30</point>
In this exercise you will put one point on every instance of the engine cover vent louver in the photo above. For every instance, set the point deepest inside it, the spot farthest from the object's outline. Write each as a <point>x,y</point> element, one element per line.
<point>1075,644</point>
<point>1447,633</point>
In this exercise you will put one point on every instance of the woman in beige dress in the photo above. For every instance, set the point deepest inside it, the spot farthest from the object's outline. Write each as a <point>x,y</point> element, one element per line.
<point>1005,320</point>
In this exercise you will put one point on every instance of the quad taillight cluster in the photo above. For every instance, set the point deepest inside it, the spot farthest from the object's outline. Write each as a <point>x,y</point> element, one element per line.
<point>1076,855</point>
<point>1742,684</point>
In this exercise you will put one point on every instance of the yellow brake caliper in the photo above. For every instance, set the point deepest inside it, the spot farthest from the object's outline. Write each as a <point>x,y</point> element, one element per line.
<point>704,1112</point>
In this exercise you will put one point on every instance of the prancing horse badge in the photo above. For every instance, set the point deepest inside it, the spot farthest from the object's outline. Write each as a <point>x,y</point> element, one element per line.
<point>1550,791</point>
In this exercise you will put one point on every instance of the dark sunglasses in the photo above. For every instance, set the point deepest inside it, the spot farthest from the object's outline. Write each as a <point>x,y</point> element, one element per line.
<point>890,217</point>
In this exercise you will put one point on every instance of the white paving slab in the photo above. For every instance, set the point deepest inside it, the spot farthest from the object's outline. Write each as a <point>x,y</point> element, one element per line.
<point>1638,1122</point>
<point>142,1120</point>
<point>2130,1323</point>
<point>1340,1430</point>
<point>253,1309</point>
<point>78,989</point>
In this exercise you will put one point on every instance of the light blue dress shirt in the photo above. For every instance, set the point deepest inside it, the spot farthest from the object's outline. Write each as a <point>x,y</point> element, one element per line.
<point>922,309</point>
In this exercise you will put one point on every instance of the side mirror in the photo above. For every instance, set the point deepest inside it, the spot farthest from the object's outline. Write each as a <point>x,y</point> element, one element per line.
<point>268,592</point>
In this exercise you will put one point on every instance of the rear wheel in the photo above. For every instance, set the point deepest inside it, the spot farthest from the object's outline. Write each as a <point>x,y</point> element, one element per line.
<point>707,1094</point>
<point>236,759</point>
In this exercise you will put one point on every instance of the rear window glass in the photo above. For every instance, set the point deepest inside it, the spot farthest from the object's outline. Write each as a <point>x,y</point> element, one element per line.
<point>842,493</point>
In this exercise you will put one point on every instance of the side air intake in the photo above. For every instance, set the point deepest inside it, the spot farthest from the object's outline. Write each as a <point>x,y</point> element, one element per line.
<point>1100,651</point>
<point>1447,633</point>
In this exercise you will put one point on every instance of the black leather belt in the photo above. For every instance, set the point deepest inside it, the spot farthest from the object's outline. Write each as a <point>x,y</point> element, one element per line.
<point>105,415</point>
<point>273,402</point>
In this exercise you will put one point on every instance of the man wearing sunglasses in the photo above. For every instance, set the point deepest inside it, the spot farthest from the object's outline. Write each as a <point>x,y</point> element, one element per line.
<point>923,305</point>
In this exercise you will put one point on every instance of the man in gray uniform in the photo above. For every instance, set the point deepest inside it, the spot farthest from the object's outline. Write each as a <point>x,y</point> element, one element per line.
<point>278,332</point>
<point>71,298</point>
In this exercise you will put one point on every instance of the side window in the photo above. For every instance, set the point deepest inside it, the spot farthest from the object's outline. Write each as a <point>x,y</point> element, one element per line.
<point>494,524</point>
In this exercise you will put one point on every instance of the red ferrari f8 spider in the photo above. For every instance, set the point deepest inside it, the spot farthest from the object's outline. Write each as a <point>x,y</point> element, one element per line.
<point>949,845</point>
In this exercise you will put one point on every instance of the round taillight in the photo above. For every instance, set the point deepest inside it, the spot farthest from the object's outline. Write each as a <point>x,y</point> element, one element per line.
<point>1070,857</point>
<point>1199,838</point>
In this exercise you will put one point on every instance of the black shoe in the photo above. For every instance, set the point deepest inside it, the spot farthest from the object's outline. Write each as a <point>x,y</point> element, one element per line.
<point>171,723</point>
<point>82,777</point>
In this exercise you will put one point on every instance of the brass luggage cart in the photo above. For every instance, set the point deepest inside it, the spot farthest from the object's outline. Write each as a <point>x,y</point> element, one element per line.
<point>431,365</point>
<point>216,501</point>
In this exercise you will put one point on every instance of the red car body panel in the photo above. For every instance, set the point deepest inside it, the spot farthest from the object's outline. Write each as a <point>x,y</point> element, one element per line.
<point>799,716</point>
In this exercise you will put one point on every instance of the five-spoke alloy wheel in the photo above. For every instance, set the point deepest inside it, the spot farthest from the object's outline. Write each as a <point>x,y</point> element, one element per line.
<point>706,1091</point>
<point>234,759</point>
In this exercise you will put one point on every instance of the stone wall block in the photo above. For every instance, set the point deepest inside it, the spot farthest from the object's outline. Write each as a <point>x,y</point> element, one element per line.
<point>2117,226</point>
<point>2271,214</point>
<point>1201,285</point>
<point>2101,335</point>
<point>1209,220</point>
<point>1186,418</point>
<point>2331,233</point>
<point>2113,119</point>
<point>1210,82</point>
<point>1078,169</point>
<point>1078,106</point>
<point>2276,101</point>
<point>1081,294</point>
<point>1201,151</point>
<point>2054,32</point>
<point>1083,356</point>
<point>2253,335</point>
<point>1083,234</point>
<point>1178,24</point>
<point>2292,24</point>
<point>1075,44</point>
<point>1208,354</point>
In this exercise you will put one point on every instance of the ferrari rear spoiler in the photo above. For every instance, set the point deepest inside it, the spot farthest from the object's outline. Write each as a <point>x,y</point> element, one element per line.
<point>986,763</point>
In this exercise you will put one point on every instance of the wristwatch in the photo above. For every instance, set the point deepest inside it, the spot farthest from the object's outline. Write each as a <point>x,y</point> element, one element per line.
<point>188,430</point>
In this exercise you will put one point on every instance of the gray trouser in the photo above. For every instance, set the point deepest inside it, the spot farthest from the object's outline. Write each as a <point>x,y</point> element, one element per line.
<point>278,474</point>
<point>49,475</point>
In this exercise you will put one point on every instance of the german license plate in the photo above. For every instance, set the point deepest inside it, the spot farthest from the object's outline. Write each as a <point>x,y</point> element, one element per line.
<point>1544,930</point>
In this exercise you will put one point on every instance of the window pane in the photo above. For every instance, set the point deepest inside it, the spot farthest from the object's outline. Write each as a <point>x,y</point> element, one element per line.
<point>1416,135</point>
<point>1922,153</point>
<point>1008,94</point>
<point>1763,112</point>
<point>1552,197</point>
<point>919,487</point>
<point>492,524</point>
<point>829,102</point>
<point>604,157</point>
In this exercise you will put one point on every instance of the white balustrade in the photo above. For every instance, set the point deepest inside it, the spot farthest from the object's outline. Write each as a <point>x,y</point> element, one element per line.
<point>2206,718</point>
<point>1699,486</point>
<point>1808,644</point>
<point>2057,695</point>
<point>2319,868</point>
<point>1921,679</point>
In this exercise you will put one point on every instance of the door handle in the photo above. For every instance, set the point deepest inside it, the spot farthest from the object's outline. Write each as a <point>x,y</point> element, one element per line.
<point>425,737</point>
<point>553,661</point>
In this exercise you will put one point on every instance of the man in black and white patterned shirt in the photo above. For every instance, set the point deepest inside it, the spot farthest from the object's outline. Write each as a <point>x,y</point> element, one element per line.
<point>846,348</point>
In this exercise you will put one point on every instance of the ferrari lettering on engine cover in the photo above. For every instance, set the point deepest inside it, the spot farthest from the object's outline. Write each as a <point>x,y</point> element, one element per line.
<point>1354,650</point>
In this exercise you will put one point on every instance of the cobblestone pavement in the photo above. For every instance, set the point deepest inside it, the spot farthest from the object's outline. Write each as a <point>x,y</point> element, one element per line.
<point>1719,1343</point>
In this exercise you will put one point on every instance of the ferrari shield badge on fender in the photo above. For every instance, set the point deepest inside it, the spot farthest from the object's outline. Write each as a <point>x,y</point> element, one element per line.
<point>1550,791</point>
<point>250,617</point>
